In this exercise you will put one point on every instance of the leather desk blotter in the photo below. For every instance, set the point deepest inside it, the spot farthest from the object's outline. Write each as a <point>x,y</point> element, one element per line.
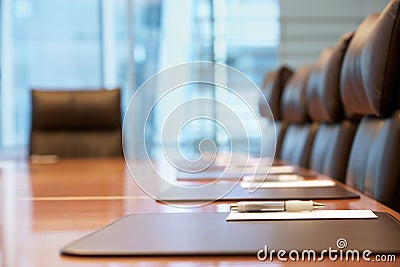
<point>217,192</point>
<point>195,234</point>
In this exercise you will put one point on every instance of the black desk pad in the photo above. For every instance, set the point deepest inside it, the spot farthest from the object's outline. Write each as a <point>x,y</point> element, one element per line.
<point>238,193</point>
<point>196,234</point>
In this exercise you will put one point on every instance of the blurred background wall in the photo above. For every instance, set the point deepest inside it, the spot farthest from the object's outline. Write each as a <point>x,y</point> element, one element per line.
<point>75,44</point>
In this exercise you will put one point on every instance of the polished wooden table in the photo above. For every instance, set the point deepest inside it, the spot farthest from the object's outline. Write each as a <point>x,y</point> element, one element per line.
<point>45,206</point>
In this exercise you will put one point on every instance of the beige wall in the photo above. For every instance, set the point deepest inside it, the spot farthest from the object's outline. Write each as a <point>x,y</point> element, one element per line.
<point>308,26</point>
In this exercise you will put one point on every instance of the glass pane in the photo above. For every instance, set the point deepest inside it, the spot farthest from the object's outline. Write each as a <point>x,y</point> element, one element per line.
<point>241,34</point>
<point>56,46</point>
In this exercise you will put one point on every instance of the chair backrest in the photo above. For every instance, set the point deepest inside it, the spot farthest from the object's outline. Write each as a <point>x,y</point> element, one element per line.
<point>273,128</point>
<point>300,133</point>
<point>370,86</point>
<point>272,89</point>
<point>78,123</point>
<point>333,140</point>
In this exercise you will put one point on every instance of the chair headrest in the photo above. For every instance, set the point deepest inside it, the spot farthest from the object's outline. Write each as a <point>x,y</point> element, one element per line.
<point>370,71</point>
<point>293,102</point>
<point>323,91</point>
<point>272,89</point>
<point>81,109</point>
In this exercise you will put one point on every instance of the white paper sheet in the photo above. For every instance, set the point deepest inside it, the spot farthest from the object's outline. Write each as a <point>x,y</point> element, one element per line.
<point>305,215</point>
<point>208,175</point>
<point>240,159</point>
<point>234,173</point>
<point>248,162</point>
<point>282,169</point>
<point>283,184</point>
<point>262,169</point>
<point>273,178</point>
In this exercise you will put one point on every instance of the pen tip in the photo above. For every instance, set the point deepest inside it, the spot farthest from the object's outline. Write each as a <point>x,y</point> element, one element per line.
<point>316,204</point>
<point>233,207</point>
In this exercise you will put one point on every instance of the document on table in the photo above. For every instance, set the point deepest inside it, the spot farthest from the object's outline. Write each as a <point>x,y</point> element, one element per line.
<point>273,170</point>
<point>272,178</point>
<point>207,175</point>
<point>234,172</point>
<point>302,215</point>
<point>284,169</point>
<point>241,160</point>
<point>288,184</point>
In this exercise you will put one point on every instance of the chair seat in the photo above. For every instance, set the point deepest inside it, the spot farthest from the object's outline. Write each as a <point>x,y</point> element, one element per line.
<point>77,144</point>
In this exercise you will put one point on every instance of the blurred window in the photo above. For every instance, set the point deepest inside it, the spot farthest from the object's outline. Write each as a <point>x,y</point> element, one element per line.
<point>108,43</point>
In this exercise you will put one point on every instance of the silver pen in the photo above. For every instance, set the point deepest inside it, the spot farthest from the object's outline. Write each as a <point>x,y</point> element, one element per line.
<point>270,206</point>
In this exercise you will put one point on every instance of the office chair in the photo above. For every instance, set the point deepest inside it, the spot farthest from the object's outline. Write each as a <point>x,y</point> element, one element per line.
<point>333,140</point>
<point>76,124</point>
<point>300,133</point>
<point>272,89</point>
<point>370,86</point>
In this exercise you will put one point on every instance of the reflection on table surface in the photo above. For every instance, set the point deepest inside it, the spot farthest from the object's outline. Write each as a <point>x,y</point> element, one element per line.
<point>44,207</point>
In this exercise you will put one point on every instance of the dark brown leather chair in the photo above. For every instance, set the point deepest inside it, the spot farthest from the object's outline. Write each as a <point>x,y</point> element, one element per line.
<point>332,143</point>
<point>300,133</point>
<point>370,86</point>
<point>272,88</point>
<point>71,124</point>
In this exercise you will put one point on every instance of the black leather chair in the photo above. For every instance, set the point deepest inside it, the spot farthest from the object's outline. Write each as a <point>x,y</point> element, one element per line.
<point>300,133</point>
<point>272,89</point>
<point>80,123</point>
<point>333,140</point>
<point>370,86</point>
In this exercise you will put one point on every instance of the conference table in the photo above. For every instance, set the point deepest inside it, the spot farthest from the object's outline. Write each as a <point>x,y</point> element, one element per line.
<point>45,206</point>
